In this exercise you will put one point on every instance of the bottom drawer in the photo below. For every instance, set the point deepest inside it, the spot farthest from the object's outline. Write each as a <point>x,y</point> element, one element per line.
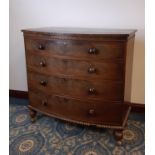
<point>78,110</point>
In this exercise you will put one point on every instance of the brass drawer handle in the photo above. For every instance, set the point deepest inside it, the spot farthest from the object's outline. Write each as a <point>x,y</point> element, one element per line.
<point>42,63</point>
<point>43,82</point>
<point>92,51</point>
<point>91,91</point>
<point>41,47</point>
<point>44,103</point>
<point>91,70</point>
<point>91,111</point>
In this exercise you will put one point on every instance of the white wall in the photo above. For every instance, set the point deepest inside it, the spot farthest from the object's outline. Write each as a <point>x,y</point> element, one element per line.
<point>75,13</point>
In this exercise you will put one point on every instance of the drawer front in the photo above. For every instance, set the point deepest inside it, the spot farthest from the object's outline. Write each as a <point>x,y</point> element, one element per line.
<point>86,69</point>
<point>90,112</point>
<point>78,49</point>
<point>103,90</point>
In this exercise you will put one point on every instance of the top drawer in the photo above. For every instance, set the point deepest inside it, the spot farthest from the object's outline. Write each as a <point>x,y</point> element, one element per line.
<point>78,49</point>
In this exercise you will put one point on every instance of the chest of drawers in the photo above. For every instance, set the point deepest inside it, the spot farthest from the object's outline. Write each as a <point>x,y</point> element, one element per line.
<point>80,75</point>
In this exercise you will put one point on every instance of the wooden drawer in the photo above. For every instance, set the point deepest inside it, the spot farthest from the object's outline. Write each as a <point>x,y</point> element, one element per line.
<point>77,110</point>
<point>95,90</point>
<point>86,69</point>
<point>79,49</point>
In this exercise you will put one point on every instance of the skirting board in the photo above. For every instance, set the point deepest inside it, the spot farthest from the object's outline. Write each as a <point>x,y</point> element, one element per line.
<point>18,94</point>
<point>136,107</point>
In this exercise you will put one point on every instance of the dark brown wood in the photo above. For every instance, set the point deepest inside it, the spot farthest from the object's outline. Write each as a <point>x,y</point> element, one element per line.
<point>118,136</point>
<point>79,74</point>
<point>18,93</point>
<point>128,69</point>
<point>77,68</point>
<point>90,112</point>
<point>76,49</point>
<point>81,33</point>
<point>136,107</point>
<point>109,90</point>
<point>32,113</point>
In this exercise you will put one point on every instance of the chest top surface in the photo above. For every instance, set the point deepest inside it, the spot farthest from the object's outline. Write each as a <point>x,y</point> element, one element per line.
<point>50,31</point>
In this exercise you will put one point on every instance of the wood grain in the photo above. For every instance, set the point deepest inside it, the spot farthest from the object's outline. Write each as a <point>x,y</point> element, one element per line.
<point>80,75</point>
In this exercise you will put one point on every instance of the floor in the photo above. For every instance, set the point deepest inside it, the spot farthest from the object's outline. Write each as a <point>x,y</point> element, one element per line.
<point>49,136</point>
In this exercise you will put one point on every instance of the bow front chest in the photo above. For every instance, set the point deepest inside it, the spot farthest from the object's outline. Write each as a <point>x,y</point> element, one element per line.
<point>80,75</point>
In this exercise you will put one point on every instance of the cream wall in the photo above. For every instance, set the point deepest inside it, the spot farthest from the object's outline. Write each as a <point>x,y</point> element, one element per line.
<point>76,13</point>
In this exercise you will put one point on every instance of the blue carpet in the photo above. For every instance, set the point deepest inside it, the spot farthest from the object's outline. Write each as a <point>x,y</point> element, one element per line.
<point>49,136</point>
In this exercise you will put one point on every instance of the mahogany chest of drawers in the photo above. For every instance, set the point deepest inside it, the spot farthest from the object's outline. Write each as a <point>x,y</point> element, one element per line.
<point>80,75</point>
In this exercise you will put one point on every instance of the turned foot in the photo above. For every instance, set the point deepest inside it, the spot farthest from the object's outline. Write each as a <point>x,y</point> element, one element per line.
<point>32,115</point>
<point>118,136</point>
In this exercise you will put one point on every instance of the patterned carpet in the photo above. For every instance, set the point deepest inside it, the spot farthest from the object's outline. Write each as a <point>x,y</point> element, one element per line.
<point>49,136</point>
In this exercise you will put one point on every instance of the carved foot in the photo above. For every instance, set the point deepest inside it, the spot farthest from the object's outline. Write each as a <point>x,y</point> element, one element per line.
<point>118,136</point>
<point>32,115</point>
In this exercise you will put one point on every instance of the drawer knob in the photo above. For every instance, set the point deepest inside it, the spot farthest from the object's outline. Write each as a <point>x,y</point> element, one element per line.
<point>43,82</point>
<point>91,90</point>
<point>44,102</point>
<point>42,63</point>
<point>64,79</point>
<point>91,111</point>
<point>91,70</point>
<point>92,51</point>
<point>41,47</point>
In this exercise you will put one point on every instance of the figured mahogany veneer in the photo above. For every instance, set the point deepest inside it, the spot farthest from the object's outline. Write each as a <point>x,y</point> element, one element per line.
<point>82,49</point>
<point>80,68</point>
<point>80,75</point>
<point>91,89</point>
<point>83,111</point>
